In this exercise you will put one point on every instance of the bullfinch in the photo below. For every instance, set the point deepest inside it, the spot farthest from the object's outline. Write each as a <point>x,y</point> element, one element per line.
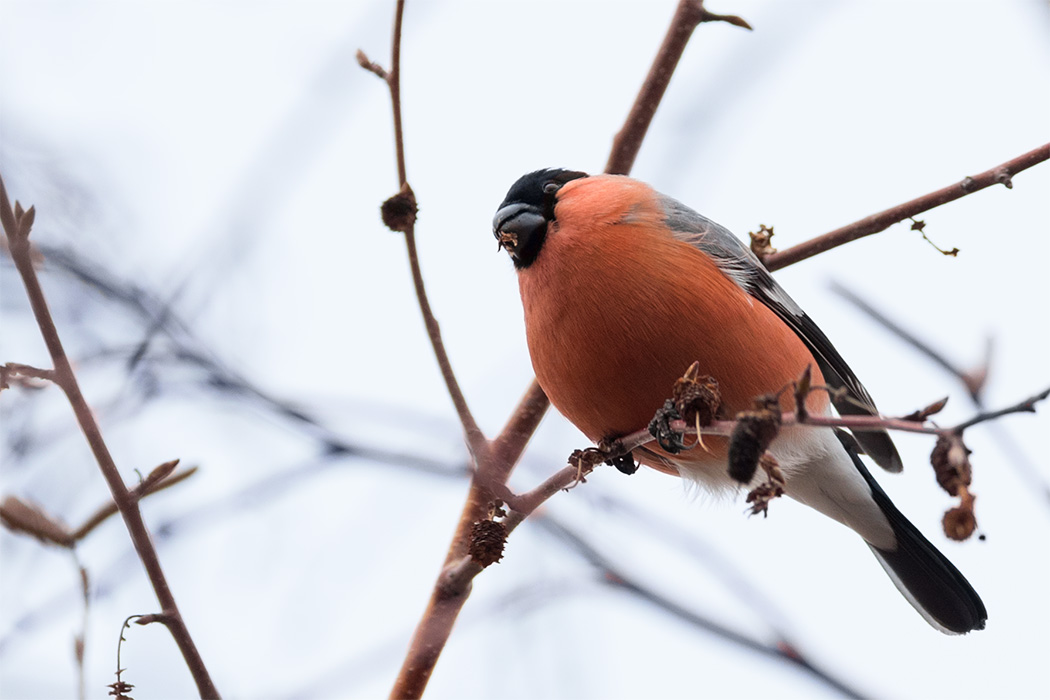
<point>623,288</point>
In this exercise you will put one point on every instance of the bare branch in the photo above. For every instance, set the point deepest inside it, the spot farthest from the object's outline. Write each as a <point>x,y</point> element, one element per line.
<point>399,214</point>
<point>17,226</point>
<point>1026,406</point>
<point>688,16</point>
<point>999,175</point>
<point>19,372</point>
<point>973,379</point>
<point>144,489</point>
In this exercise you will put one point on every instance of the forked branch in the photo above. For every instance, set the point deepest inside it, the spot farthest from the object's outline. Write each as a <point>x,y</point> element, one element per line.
<point>17,224</point>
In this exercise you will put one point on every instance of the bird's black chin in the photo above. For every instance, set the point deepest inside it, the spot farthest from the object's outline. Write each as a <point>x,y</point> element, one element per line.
<point>527,212</point>
<point>521,229</point>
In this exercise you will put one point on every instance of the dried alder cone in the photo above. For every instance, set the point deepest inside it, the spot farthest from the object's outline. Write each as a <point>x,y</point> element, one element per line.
<point>960,522</point>
<point>752,436</point>
<point>487,539</point>
<point>696,397</point>
<point>586,460</point>
<point>951,463</point>
<point>120,690</point>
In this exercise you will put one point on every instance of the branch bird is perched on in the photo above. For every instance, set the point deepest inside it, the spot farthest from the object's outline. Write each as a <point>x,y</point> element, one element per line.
<point>624,288</point>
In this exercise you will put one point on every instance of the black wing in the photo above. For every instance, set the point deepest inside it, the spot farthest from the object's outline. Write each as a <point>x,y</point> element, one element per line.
<point>741,265</point>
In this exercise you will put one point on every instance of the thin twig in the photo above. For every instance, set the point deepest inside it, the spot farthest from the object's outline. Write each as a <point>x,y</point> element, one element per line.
<point>17,229</point>
<point>139,492</point>
<point>476,440</point>
<point>79,639</point>
<point>855,422</point>
<point>523,505</point>
<point>406,223</point>
<point>1026,406</point>
<point>999,175</point>
<point>20,372</point>
<point>974,380</point>
<point>19,516</point>
<point>393,80</point>
<point>444,606</point>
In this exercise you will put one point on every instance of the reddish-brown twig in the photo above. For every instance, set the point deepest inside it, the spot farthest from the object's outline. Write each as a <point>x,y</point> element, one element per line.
<point>688,16</point>
<point>453,585</point>
<point>399,213</point>
<point>20,516</point>
<point>17,224</point>
<point>523,505</point>
<point>147,487</point>
<point>999,175</point>
<point>973,379</point>
<point>20,373</point>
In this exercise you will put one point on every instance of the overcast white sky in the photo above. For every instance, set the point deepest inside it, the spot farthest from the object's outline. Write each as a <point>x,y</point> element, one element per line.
<point>230,158</point>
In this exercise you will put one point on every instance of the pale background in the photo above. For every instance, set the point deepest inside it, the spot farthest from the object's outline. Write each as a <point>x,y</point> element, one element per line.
<point>229,159</point>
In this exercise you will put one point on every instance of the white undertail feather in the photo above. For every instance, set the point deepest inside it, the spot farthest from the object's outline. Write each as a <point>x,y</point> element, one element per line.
<point>818,473</point>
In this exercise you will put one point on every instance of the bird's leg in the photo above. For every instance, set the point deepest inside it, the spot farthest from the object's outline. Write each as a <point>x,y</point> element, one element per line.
<point>670,440</point>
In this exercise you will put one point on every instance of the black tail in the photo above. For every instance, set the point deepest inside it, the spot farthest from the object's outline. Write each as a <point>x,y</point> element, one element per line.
<point>927,579</point>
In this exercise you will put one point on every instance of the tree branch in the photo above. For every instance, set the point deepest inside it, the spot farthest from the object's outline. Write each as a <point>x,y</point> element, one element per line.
<point>399,214</point>
<point>523,505</point>
<point>999,175</point>
<point>628,141</point>
<point>1026,406</point>
<point>17,224</point>
<point>147,487</point>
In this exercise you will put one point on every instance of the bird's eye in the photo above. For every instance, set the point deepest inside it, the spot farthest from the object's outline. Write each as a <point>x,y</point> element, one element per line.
<point>550,187</point>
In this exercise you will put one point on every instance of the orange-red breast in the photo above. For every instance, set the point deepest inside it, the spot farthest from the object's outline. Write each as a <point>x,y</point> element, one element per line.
<point>623,288</point>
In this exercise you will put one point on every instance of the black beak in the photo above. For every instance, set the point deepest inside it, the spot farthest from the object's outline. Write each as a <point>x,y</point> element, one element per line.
<point>518,227</point>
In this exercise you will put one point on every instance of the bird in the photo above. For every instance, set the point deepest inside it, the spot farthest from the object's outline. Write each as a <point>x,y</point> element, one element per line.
<point>623,288</point>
